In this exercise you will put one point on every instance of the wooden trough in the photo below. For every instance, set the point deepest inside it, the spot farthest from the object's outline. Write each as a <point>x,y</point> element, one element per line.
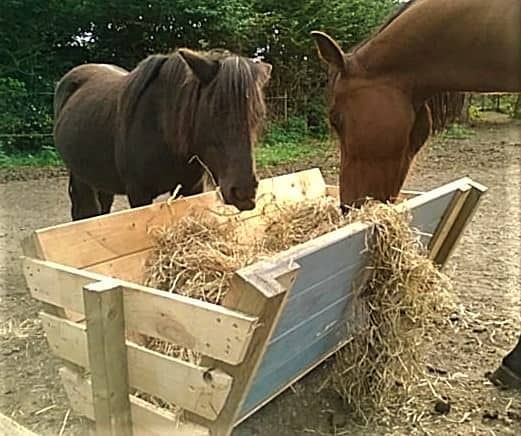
<point>281,318</point>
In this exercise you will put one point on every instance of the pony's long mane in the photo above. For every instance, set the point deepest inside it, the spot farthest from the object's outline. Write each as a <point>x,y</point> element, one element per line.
<point>233,99</point>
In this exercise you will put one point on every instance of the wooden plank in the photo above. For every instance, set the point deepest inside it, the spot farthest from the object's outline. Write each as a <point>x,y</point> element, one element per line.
<point>130,268</point>
<point>103,238</point>
<point>334,191</point>
<point>208,328</point>
<point>147,419</point>
<point>447,220</point>
<point>466,212</point>
<point>9,427</point>
<point>199,389</point>
<point>266,297</point>
<point>107,355</point>
<point>284,347</point>
<point>265,389</point>
<point>318,295</point>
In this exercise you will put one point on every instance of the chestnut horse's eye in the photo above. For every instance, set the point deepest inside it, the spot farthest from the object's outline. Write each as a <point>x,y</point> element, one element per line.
<point>335,119</point>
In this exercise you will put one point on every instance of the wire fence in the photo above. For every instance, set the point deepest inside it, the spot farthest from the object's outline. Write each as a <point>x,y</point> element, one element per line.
<point>280,108</point>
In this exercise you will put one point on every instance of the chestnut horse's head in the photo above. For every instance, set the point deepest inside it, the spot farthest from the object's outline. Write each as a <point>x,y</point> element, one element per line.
<point>379,128</point>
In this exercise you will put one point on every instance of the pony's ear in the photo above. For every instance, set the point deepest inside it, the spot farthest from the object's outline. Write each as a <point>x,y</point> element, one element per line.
<point>329,50</point>
<point>205,69</point>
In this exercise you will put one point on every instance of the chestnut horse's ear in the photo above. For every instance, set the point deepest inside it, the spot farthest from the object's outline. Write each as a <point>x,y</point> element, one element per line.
<point>205,69</point>
<point>329,50</point>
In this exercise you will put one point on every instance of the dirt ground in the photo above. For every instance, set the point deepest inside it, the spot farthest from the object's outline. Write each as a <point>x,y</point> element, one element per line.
<point>485,269</point>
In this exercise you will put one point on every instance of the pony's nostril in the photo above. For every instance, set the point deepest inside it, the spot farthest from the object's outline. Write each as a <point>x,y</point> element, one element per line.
<point>242,194</point>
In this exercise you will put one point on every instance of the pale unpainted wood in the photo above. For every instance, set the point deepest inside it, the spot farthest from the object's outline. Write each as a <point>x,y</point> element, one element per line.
<point>295,187</point>
<point>107,356</point>
<point>130,267</point>
<point>9,427</point>
<point>211,329</point>
<point>334,191</point>
<point>447,220</point>
<point>103,238</point>
<point>147,419</point>
<point>264,297</point>
<point>459,223</point>
<point>200,389</point>
<point>113,235</point>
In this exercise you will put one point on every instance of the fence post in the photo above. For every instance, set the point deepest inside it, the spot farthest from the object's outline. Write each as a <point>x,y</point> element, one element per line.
<point>285,106</point>
<point>107,353</point>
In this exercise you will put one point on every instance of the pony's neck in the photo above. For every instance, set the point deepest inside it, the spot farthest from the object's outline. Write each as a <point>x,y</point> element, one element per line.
<point>444,45</point>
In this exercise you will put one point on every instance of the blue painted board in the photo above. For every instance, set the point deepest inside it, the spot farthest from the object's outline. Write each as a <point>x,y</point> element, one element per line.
<point>314,319</point>
<point>263,388</point>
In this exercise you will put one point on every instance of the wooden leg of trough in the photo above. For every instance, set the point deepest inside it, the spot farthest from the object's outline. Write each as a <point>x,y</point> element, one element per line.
<point>107,353</point>
<point>250,296</point>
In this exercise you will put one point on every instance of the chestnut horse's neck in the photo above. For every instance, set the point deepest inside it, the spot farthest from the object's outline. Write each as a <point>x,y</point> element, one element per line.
<point>448,45</point>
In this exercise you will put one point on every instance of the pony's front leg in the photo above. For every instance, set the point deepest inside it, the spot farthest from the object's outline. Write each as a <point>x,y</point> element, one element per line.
<point>138,197</point>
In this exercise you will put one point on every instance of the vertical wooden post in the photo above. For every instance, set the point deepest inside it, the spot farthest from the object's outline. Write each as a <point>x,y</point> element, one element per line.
<point>107,352</point>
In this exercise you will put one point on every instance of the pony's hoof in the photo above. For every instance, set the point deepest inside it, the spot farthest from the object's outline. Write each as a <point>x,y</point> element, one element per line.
<point>505,378</point>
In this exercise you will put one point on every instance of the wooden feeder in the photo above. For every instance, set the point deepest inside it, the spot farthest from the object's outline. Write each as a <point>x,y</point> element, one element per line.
<point>281,319</point>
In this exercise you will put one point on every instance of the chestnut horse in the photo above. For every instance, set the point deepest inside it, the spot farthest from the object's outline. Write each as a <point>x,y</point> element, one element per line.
<point>378,91</point>
<point>137,133</point>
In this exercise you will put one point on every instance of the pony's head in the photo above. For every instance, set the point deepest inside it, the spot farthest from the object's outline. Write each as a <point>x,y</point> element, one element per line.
<point>226,112</point>
<point>378,126</point>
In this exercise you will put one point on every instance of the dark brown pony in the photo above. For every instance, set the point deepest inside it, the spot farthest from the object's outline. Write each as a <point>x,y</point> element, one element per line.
<point>380,89</point>
<point>144,132</point>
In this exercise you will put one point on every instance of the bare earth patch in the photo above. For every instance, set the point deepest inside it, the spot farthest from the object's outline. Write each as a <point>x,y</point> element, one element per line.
<point>485,270</point>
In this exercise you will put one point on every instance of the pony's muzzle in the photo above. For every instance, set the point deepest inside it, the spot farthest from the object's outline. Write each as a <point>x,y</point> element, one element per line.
<point>243,197</point>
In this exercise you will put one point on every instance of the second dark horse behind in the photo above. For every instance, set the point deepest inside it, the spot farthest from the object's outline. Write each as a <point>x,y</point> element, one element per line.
<point>165,123</point>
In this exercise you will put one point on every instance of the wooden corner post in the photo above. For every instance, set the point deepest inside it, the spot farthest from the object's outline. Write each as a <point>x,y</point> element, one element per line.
<point>106,346</point>
<point>458,215</point>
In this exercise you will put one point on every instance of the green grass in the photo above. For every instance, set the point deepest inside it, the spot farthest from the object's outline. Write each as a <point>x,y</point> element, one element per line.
<point>284,143</point>
<point>289,152</point>
<point>457,131</point>
<point>46,157</point>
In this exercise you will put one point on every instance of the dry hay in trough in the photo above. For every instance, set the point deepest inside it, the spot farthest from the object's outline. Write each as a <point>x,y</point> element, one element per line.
<point>401,294</point>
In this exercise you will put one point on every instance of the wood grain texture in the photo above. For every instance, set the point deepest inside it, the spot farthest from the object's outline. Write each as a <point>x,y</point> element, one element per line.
<point>199,389</point>
<point>107,356</point>
<point>208,328</point>
<point>147,420</point>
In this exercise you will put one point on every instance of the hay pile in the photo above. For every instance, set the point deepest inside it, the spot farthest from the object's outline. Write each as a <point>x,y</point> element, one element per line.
<point>404,296</point>
<point>198,255</point>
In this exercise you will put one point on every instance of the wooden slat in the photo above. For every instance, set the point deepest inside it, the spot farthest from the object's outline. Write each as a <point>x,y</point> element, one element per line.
<point>130,268</point>
<point>266,297</point>
<point>107,355</point>
<point>208,328</point>
<point>107,237</point>
<point>147,420</point>
<point>459,222</point>
<point>267,388</point>
<point>201,390</point>
<point>447,221</point>
<point>9,427</point>
<point>113,235</point>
